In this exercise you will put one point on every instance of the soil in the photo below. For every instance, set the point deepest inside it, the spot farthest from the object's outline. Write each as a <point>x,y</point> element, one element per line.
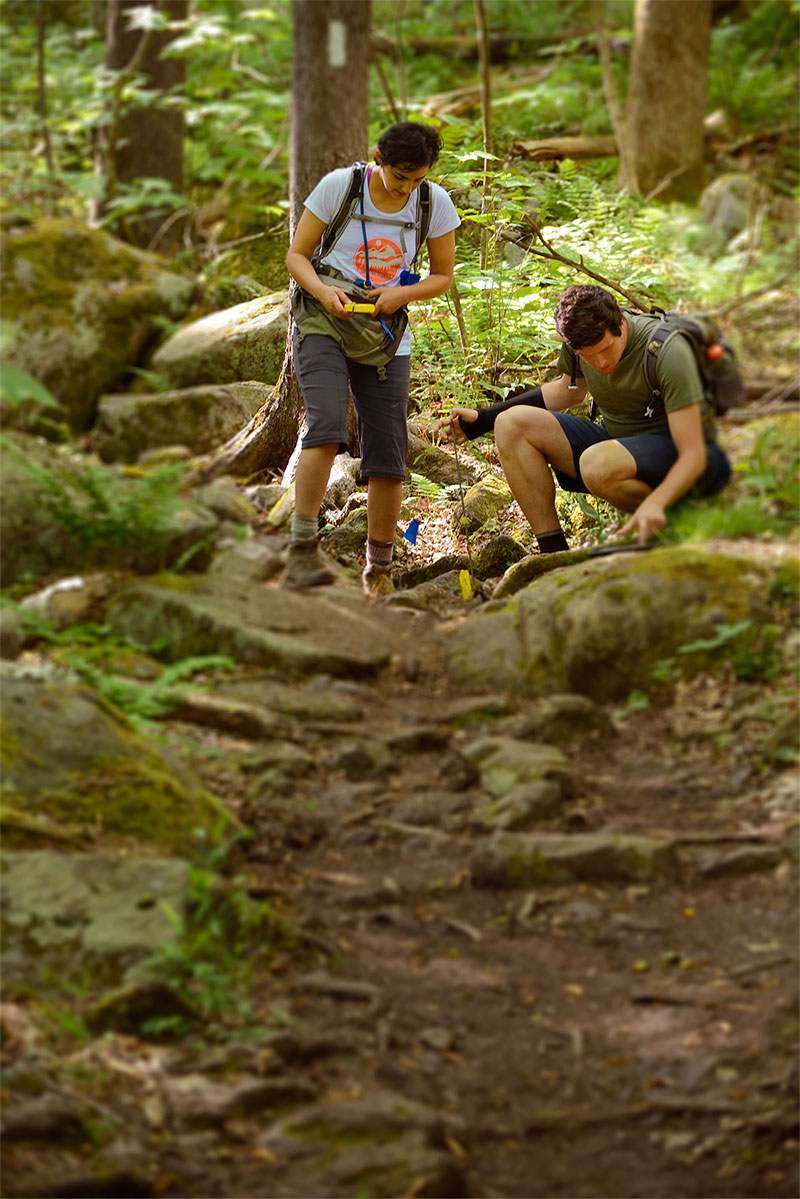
<point>592,1039</point>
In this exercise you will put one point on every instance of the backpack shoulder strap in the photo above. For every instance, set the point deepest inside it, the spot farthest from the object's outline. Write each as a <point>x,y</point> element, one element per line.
<point>346,208</point>
<point>424,206</point>
<point>660,335</point>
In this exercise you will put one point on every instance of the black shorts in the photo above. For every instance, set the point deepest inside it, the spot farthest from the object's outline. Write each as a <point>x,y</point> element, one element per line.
<point>380,396</point>
<point>654,453</point>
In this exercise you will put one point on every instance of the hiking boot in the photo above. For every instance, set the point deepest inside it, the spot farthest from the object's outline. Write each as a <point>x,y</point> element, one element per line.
<point>307,567</point>
<point>377,581</point>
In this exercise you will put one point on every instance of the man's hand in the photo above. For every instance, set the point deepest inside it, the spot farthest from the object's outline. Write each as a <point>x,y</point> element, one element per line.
<point>451,425</point>
<point>648,518</point>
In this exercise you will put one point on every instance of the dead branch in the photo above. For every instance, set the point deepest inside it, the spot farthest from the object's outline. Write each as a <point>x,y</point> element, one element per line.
<point>556,148</point>
<point>555,255</point>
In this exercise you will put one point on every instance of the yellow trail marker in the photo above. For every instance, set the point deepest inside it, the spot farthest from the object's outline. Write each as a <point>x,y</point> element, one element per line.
<point>360,308</point>
<point>466,583</point>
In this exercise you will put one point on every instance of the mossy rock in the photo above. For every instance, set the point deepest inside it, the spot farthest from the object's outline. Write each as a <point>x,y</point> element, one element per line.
<point>63,512</point>
<point>482,501</point>
<point>70,757</point>
<point>599,627</point>
<point>199,418</point>
<point>86,309</point>
<point>246,342</point>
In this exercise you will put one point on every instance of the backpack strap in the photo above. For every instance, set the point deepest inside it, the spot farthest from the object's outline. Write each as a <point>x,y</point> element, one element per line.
<point>661,334</point>
<point>424,207</point>
<point>354,196</point>
<point>346,209</point>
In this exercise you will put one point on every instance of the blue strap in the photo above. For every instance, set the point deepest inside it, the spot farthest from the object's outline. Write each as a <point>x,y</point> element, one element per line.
<point>366,175</point>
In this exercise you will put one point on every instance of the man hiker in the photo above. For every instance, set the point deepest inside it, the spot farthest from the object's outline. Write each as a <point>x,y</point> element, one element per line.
<point>643,455</point>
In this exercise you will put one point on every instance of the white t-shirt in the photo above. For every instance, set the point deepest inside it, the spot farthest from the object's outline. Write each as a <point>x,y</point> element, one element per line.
<point>391,237</point>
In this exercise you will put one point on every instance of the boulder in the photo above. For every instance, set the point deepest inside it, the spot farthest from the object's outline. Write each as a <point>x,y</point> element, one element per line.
<point>481,502</point>
<point>382,1144</point>
<point>598,627</point>
<point>246,342</point>
<point>511,859</point>
<point>72,759</point>
<point>85,308</point>
<point>729,202</point>
<point>69,914</point>
<point>200,418</point>
<point>437,464</point>
<point>291,631</point>
<point>60,512</point>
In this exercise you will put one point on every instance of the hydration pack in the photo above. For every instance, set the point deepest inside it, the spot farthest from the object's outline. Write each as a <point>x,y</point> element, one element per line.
<point>716,361</point>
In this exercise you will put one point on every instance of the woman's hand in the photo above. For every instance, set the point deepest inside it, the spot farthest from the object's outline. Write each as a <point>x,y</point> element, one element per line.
<point>333,300</point>
<point>452,425</point>
<point>387,299</point>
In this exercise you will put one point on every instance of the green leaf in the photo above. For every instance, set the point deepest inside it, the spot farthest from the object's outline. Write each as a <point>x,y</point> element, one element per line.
<point>16,386</point>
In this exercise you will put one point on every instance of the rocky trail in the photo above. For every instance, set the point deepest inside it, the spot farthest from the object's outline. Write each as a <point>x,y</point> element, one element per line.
<point>518,945</point>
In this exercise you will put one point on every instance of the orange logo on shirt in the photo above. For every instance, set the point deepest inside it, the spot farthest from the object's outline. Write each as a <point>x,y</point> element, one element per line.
<point>385,260</point>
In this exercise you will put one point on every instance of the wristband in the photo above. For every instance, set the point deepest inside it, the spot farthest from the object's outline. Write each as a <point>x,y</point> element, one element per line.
<point>487,416</point>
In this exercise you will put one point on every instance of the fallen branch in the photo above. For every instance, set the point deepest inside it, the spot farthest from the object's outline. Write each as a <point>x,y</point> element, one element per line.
<point>558,148</point>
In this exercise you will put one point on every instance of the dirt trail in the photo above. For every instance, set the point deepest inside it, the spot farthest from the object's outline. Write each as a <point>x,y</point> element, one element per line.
<point>589,1039</point>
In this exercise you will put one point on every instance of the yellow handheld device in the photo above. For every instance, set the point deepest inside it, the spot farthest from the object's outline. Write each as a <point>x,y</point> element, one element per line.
<point>359,308</point>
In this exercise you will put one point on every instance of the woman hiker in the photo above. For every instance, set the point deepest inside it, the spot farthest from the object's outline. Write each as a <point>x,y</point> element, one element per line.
<point>357,239</point>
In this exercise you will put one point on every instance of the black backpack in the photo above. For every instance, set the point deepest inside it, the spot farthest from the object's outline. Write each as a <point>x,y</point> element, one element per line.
<point>716,361</point>
<point>347,209</point>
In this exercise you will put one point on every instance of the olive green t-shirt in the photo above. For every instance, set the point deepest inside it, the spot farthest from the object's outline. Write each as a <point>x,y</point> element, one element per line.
<point>624,398</point>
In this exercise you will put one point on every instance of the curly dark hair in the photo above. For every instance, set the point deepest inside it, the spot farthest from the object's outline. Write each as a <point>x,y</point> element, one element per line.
<point>410,144</point>
<point>584,314</point>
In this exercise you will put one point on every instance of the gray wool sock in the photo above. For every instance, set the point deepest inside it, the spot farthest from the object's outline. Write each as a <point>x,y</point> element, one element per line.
<point>303,528</point>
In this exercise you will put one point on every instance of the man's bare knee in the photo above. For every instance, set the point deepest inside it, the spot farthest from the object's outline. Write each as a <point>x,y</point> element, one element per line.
<point>605,465</point>
<point>517,423</point>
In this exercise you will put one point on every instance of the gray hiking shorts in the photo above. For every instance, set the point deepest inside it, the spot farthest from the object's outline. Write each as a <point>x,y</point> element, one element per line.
<point>326,377</point>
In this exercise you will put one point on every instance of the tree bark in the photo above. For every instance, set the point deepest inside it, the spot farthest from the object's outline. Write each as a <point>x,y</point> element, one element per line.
<point>329,91</point>
<point>44,122</point>
<point>484,55</point>
<point>328,120</point>
<point>667,96</point>
<point>328,130</point>
<point>141,143</point>
<point>627,166</point>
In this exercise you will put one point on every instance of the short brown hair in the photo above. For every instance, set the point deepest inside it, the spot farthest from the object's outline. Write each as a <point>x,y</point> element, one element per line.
<point>584,314</point>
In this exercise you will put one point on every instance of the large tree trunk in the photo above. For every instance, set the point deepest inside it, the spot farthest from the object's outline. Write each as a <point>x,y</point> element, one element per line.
<point>329,120</point>
<point>329,91</point>
<point>667,95</point>
<point>328,129</point>
<point>144,143</point>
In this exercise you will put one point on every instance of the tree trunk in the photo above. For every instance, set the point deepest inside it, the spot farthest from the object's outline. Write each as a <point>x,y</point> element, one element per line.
<point>329,129</point>
<point>329,120</point>
<point>667,96</point>
<point>484,55</point>
<point>329,91</point>
<point>144,143</point>
<point>627,167</point>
